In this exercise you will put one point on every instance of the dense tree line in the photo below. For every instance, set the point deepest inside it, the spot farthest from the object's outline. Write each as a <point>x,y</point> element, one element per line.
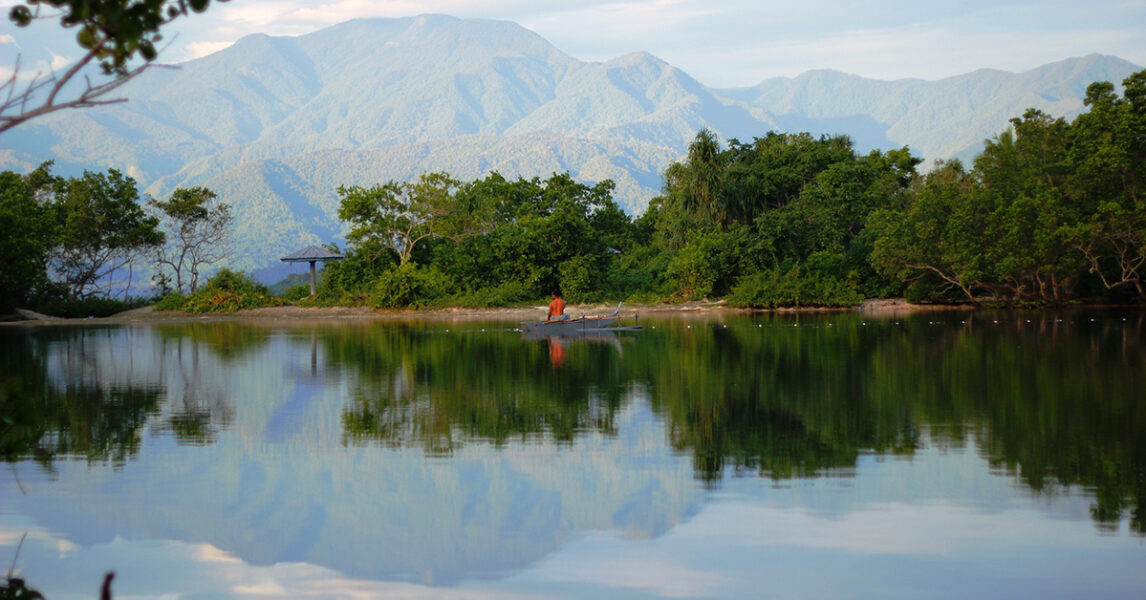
<point>776,221</point>
<point>1051,212</point>
<point>69,239</point>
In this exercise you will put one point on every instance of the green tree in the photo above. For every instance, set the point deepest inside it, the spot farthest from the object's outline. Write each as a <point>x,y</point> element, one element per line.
<point>23,247</point>
<point>112,33</point>
<point>770,173</point>
<point>1023,171</point>
<point>1108,150</point>
<point>539,236</point>
<point>98,226</point>
<point>693,201</point>
<point>937,240</point>
<point>196,229</point>
<point>397,216</point>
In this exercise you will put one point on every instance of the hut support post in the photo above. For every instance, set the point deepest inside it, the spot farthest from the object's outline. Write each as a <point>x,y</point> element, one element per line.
<point>313,290</point>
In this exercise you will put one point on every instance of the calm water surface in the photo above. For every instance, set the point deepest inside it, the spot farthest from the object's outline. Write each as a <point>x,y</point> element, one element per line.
<point>834,456</point>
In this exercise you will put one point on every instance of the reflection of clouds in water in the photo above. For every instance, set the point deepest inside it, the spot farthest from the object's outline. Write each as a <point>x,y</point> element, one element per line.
<point>616,509</point>
<point>940,530</point>
<point>194,569</point>
<point>603,559</point>
<point>13,536</point>
<point>738,548</point>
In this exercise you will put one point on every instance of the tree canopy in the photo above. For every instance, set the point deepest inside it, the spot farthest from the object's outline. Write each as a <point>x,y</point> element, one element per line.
<point>1053,210</point>
<point>1050,212</point>
<point>196,229</point>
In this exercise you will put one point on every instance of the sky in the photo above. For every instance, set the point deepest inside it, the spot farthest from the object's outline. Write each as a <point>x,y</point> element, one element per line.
<point>733,43</point>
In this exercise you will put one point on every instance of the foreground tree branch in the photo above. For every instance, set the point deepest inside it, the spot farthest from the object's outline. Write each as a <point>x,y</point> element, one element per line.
<point>21,105</point>
<point>112,33</point>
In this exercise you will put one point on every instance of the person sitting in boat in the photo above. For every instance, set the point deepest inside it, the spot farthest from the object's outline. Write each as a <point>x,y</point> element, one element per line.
<point>556,308</point>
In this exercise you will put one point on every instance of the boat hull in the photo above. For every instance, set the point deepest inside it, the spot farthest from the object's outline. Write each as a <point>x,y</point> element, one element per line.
<point>568,327</point>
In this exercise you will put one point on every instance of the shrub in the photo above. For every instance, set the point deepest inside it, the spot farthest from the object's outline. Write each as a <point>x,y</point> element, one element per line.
<point>793,285</point>
<point>297,292</point>
<point>579,276</point>
<point>226,292</point>
<point>408,286</point>
<point>708,264</point>
<point>506,294</point>
<point>692,272</point>
<point>639,276</point>
<point>172,301</point>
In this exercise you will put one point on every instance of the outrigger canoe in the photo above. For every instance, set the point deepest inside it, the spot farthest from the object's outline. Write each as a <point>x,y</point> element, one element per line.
<point>565,325</point>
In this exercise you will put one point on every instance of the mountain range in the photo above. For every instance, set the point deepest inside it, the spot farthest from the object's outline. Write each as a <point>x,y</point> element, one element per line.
<point>275,124</point>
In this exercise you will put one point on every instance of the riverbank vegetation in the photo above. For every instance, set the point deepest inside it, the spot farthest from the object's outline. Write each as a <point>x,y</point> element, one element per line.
<point>1051,212</point>
<point>76,246</point>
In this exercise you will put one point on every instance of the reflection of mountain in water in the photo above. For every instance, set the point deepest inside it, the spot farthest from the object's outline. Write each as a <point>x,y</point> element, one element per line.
<point>402,451</point>
<point>279,485</point>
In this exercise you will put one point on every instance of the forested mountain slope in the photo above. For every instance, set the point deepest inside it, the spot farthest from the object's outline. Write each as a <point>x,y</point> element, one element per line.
<point>275,124</point>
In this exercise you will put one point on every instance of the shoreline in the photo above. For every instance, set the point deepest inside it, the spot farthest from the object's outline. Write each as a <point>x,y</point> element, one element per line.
<point>888,307</point>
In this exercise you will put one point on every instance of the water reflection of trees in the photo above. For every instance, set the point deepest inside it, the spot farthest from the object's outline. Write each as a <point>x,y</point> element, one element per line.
<point>438,390</point>
<point>90,391</point>
<point>785,401</point>
<point>225,339</point>
<point>198,408</point>
<point>789,399</point>
<point>1057,409</point>
<point>81,413</point>
<point>1054,400</point>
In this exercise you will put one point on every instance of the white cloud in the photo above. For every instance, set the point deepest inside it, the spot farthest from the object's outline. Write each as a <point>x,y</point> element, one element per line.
<point>255,14</point>
<point>741,42</point>
<point>59,62</point>
<point>201,49</point>
<point>345,10</point>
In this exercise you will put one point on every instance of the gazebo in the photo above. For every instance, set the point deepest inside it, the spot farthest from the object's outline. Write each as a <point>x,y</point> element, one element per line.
<point>312,254</point>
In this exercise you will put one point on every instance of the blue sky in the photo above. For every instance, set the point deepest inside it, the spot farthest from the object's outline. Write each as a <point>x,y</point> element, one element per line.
<point>729,43</point>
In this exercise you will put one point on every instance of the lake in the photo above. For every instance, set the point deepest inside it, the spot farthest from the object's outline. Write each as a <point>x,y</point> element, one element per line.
<point>953,455</point>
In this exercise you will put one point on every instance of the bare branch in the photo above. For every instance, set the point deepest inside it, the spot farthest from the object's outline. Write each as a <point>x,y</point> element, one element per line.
<point>950,280</point>
<point>15,109</point>
<point>21,105</point>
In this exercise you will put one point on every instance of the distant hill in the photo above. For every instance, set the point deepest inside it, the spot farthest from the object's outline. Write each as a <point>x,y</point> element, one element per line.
<point>949,118</point>
<point>275,124</point>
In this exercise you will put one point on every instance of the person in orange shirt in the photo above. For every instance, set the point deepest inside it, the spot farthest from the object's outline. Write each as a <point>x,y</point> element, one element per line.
<point>556,307</point>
